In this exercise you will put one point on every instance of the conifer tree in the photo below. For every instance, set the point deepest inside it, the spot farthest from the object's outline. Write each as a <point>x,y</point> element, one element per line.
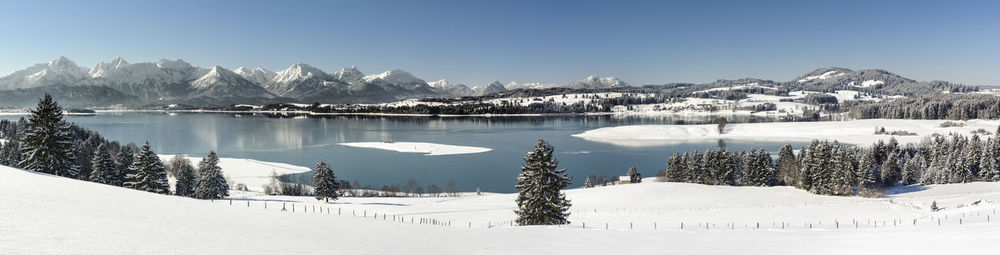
<point>696,168</point>
<point>326,182</point>
<point>540,201</point>
<point>990,161</point>
<point>788,166</point>
<point>912,169</point>
<point>123,161</point>
<point>211,183</point>
<point>149,173</point>
<point>103,168</point>
<point>186,178</point>
<point>675,168</point>
<point>807,165</point>
<point>891,172</point>
<point>588,183</point>
<point>633,175</point>
<point>47,146</point>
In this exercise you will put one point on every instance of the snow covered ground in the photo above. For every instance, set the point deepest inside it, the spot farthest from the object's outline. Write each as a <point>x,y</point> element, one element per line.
<point>44,214</point>
<point>431,149</point>
<point>854,132</point>
<point>255,174</point>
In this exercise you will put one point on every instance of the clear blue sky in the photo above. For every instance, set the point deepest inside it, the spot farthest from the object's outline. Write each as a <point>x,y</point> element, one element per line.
<point>475,42</point>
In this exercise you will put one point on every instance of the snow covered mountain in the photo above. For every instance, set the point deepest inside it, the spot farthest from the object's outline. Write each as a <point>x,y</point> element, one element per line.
<point>60,71</point>
<point>493,87</point>
<point>452,89</point>
<point>298,80</point>
<point>163,80</point>
<point>591,82</point>
<point>221,86</point>
<point>257,75</point>
<point>594,82</point>
<point>870,80</point>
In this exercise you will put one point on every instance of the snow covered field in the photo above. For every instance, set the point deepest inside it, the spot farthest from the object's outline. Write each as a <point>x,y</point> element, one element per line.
<point>854,132</point>
<point>43,214</point>
<point>431,149</point>
<point>255,174</point>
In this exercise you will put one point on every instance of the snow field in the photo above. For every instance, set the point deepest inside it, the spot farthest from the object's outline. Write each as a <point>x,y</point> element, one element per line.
<point>255,174</point>
<point>859,132</point>
<point>431,149</point>
<point>45,214</point>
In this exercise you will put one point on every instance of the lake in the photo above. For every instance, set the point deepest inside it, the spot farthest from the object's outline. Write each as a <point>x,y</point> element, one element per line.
<point>305,140</point>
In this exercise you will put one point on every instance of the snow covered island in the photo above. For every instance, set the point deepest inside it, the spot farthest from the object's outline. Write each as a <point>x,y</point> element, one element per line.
<point>431,149</point>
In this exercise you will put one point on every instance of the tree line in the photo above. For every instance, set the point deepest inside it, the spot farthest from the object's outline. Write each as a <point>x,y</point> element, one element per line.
<point>831,168</point>
<point>46,143</point>
<point>944,106</point>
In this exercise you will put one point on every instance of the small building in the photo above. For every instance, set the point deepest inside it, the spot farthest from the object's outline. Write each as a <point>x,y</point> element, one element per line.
<point>624,179</point>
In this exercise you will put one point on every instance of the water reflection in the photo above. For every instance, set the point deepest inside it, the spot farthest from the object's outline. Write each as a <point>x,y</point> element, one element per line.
<point>305,139</point>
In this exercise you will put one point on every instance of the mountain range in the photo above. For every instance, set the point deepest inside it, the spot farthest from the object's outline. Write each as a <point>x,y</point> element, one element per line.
<point>177,82</point>
<point>164,82</point>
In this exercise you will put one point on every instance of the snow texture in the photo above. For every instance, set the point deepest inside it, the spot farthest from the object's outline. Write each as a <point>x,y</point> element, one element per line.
<point>44,214</point>
<point>431,149</point>
<point>859,132</point>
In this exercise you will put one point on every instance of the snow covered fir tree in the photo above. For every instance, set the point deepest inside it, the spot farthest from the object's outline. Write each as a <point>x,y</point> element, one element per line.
<point>47,145</point>
<point>103,168</point>
<point>187,180</point>
<point>325,181</point>
<point>211,183</point>
<point>633,175</point>
<point>148,173</point>
<point>540,200</point>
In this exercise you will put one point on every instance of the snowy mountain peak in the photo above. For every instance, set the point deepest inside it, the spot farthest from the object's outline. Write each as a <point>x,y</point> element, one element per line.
<point>493,87</point>
<point>60,71</point>
<point>178,64</point>
<point>394,76</point>
<point>257,75</point>
<point>349,74</point>
<point>298,71</point>
<point>103,69</point>
<point>594,81</point>
<point>216,75</point>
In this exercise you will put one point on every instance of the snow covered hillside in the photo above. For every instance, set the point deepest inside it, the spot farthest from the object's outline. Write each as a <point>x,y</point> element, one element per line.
<point>43,214</point>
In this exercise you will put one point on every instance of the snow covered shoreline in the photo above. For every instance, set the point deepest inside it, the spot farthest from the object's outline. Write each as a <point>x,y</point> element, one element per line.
<point>431,149</point>
<point>253,173</point>
<point>861,132</point>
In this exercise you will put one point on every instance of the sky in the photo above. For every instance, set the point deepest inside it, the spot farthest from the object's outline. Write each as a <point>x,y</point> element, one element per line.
<point>475,42</point>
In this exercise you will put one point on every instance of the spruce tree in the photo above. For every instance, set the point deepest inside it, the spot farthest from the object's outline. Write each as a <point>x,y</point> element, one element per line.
<point>912,169</point>
<point>47,146</point>
<point>211,183</point>
<point>540,201</point>
<point>186,178</point>
<point>696,172</point>
<point>103,168</point>
<point>123,160</point>
<point>807,165</point>
<point>788,166</point>
<point>147,172</point>
<point>675,168</point>
<point>633,175</point>
<point>891,172</point>
<point>326,182</point>
<point>990,161</point>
